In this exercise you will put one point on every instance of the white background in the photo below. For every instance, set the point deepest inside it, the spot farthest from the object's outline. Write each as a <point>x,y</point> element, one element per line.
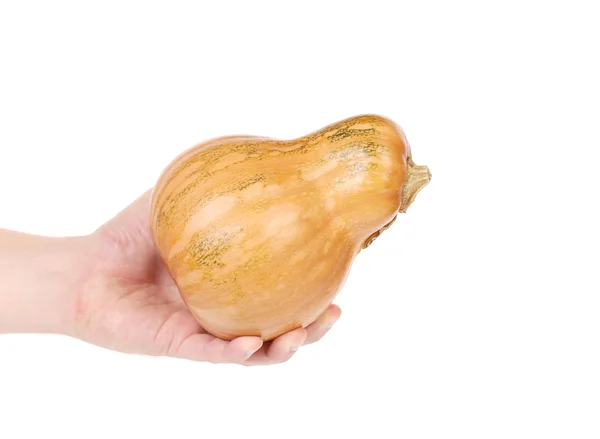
<point>476,316</point>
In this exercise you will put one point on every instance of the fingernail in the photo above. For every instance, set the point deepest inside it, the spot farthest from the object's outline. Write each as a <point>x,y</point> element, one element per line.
<point>249,354</point>
<point>295,348</point>
<point>331,325</point>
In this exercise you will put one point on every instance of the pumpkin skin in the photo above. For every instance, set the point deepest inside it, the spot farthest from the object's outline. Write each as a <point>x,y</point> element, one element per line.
<point>260,234</point>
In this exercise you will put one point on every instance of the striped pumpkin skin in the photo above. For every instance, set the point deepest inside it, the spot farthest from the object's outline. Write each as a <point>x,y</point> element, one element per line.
<point>260,234</point>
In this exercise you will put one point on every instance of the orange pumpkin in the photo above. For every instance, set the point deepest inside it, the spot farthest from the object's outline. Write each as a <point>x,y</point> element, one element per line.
<point>259,234</point>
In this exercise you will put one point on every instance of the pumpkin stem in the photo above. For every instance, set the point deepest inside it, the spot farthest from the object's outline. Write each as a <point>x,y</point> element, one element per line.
<point>417,178</point>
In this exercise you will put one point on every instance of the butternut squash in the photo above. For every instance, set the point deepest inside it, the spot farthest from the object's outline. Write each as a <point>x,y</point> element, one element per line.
<point>259,234</point>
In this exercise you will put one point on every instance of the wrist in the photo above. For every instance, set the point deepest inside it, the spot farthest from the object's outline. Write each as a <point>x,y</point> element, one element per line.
<point>40,279</point>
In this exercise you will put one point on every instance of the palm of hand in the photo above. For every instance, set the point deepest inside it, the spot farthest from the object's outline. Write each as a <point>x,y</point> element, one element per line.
<point>131,304</point>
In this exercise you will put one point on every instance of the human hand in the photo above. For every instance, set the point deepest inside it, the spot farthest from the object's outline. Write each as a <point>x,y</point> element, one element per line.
<point>129,303</point>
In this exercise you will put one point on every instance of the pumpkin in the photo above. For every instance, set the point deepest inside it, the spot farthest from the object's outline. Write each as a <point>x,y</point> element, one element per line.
<point>259,234</point>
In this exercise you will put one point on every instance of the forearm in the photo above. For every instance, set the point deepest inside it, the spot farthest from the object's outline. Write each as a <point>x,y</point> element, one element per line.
<point>39,278</point>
